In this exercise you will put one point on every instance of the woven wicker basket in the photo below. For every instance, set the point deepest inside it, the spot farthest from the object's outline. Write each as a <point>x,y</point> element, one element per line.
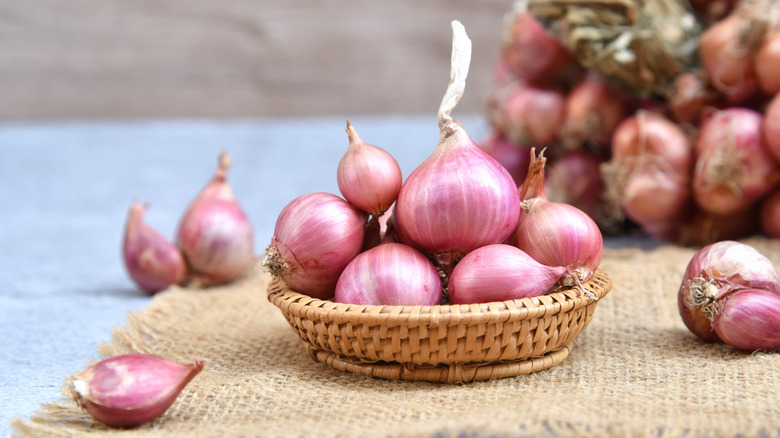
<point>449,343</point>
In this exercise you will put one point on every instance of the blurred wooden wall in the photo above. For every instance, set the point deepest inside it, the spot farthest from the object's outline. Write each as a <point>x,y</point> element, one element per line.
<point>68,59</point>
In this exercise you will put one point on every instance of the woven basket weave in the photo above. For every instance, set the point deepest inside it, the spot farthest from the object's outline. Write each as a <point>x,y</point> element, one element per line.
<point>448,343</point>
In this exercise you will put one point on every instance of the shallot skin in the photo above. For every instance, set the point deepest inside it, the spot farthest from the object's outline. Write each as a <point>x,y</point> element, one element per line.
<point>500,272</point>
<point>315,237</point>
<point>749,320</point>
<point>390,274</point>
<point>152,261</point>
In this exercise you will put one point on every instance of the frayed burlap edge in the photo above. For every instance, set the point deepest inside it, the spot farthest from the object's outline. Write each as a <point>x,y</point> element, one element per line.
<point>635,371</point>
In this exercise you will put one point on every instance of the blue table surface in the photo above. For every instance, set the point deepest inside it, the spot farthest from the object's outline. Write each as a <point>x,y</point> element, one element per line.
<point>65,189</point>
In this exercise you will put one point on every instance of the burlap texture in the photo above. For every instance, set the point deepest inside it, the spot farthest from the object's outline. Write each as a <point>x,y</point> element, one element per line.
<point>635,371</point>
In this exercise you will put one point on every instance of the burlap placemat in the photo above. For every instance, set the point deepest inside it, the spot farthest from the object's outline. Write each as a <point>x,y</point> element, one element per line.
<point>635,371</point>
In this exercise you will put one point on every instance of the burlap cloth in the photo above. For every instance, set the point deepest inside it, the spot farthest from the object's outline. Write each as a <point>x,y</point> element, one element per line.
<point>635,371</point>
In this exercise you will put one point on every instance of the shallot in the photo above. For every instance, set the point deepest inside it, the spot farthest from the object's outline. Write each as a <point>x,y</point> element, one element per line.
<point>152,261</point>
<point>648,176</point>
<point>368,176</point>
<point>734,166</point>
<point>131,389</point>
<point>531,53</point>
<point>771,127</point>
<point>533,115</point>
<point>500,272</point>
<point>555,233</point>
<point>689,95</point>
<point>766,61</point>
<point>726,60</point>
<point>559,234</point>
<point>724,296</point>
<point>391,274</point>
<point>512,156</point>
<point>315,237</point>
<point>592,112</point>
<point>575,179</point>
<point>460,198</point>
<point>215,235</point>
<point>749,319</point>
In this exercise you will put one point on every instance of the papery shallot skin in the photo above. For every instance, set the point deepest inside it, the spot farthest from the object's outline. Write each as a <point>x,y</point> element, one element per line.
<point>152,261</point>
<point>390,274</point>
<point>715,272</point>
<point>749,320</point>
<point>457,200</point>
<point>315,237</point>
<point>500,272</point>
<point>131,389</point>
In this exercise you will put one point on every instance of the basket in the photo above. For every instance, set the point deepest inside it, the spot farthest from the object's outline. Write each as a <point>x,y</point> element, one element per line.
<point>445,343</point>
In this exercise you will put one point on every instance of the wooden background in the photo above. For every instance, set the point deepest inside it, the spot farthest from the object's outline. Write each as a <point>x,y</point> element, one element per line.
<point>76,59</point>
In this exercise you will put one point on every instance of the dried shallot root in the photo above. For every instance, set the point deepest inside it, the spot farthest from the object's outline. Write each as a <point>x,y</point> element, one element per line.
<point>131,389</point>
<point>731,292</point>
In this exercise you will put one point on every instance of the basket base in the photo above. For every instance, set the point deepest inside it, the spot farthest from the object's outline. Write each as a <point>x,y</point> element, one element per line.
<point>455,373</point>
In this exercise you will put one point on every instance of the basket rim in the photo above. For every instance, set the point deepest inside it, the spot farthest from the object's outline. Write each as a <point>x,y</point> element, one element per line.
<point>307,307</point>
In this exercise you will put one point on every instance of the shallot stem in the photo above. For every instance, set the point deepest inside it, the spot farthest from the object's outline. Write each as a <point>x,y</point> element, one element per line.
<point>459,71</point>
<point>224,165</point>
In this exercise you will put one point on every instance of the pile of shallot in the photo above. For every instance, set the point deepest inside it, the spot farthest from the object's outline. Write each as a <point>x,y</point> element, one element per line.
<point>214,242</point>
<point>457,230</point>
<point>661,116</point>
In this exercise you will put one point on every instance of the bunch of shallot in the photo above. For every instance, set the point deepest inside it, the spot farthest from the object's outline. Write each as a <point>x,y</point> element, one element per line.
<point>214,241</point>
<point>457,230</point>
<point>667,112</point>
